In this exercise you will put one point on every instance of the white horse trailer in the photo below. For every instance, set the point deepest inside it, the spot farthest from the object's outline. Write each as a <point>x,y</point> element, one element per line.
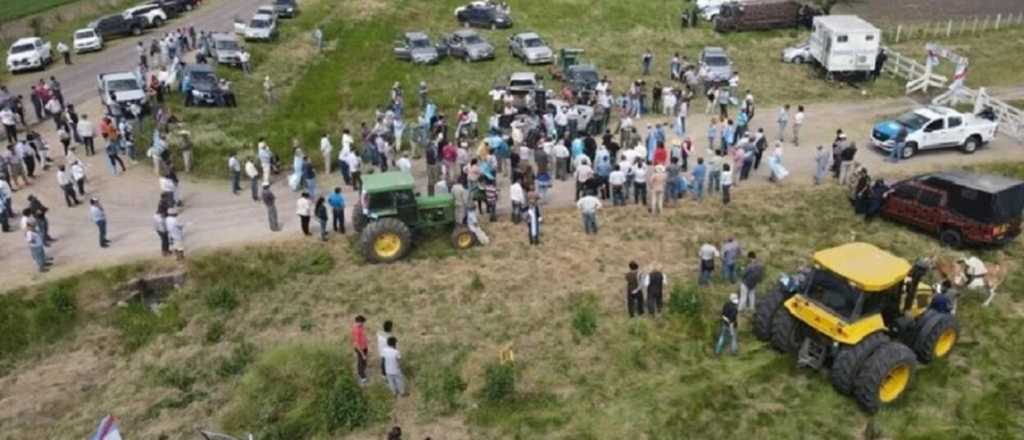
<point>845,43</point>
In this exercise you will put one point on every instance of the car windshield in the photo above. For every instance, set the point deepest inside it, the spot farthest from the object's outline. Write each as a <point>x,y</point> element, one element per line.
<point>716,61</point>
<point>912,121</point>
<point>586,76</point>
<point>533,42</point>
<point>473,39</point>
<point>22,48</point>
<point>227,45</point>
<point>833,292</point>
<point>121,85</point>
<point>521,83</point>
<point>283,2</point>
<point>259,24</point>
<point>419,43</point>
<point>84,34</point>
<point>203,77</point>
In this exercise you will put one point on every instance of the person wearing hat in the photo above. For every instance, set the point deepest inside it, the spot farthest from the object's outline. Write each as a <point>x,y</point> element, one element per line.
<point>99,216</point>
<point>727,330</point>
<point>176,232</point>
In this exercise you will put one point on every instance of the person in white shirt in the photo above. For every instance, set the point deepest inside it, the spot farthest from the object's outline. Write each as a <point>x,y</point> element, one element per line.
<point>253,173</point>
<point>176,232</point>
<point>327,151</point>
<point>78,176</point>
<point>64,180</point>
<point>561,160</point>
<point>584,172</point>
<point>236,173</point>
<point>798,121</point>
<point>87,131</point>
<point>726,183</point>
<point>382,344</point>
<point>617,180</point>
<point>517,197</point>
<point>393,368</point>
<point>640,183</point>
<point>266,159</point>
<point>404,164</point>
<point>10,123</point>
<point>588,206</point>
<point>304,209</point>
<point>355,169</point>
<point>707,253</point>
<point>160,227</point>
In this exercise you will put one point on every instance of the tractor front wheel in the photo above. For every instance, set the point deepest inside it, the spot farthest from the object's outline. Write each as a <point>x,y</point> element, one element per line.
<point>885,376</point>
<point>463,238</point>
<point>848,361</point>
<point>386,241</point>
<point>936,336</point>
<point>359,219</point>
<point>764,311</point>
<point>787,332</point>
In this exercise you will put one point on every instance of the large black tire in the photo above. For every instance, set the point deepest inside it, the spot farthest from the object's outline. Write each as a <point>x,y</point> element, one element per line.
<point>764,311</point>
<point>787,332</point>
<point>952,238</point>
<point>157,22</point>
<point>885,376</point>
<point>386,241</point>
<point>936,335</point>
<point>463,238</point>
<point>359,219</point>
<point>849,360</point>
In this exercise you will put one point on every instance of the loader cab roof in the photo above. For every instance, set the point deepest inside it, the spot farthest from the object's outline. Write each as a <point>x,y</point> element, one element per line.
<point>387,182</point>
<point>864,265</point>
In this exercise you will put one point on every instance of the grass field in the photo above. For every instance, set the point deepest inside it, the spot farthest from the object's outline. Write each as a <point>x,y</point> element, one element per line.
<point>15,9</point>
<point>257,340</point>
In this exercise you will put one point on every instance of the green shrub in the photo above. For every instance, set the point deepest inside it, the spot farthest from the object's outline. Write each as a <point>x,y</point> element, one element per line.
<point>241,356</point>
<point>476,284</point>
<point>40,320</point>
<point>584,313</point>
<point>685,300</point>
<point>499,383</point>
<point>221,298</point>
<point>14,326</point>
<point>441,388</point>
<point>214,333</point>
<point>180,377</point>
<point>138,325</point>
<point>301,391</point>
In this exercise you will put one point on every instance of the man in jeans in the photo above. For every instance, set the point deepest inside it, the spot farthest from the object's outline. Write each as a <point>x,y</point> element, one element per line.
<point>699,171</point>
<point>35,245</point>
<point>714,172</point>
<point>588,206</point>
<point>236,173</point>
<point>617,180</point>
<point>392,367</point>
<point>634,291</point>
<point>752,276</point>
<point>727,330</point>
<point>99,216</point>
<point>731,250</point>
<point>361,347</point>
<point>899,143</point>
<point>337,202</point>
<point>707,254</point>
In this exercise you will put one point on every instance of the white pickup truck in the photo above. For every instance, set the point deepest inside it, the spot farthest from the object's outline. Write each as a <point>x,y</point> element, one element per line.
<point>29,53</point>
<point>934,127</point>
<point>122,88</point>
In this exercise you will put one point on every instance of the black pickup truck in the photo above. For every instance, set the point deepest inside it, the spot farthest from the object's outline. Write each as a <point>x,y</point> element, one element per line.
<point>175,7</point>
<point>117,26</point>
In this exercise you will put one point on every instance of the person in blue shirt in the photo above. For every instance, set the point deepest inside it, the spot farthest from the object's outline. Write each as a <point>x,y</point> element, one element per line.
<point>576,149</point>
<point>337,202</point>
<point>728,135</point>
<point>699,172</point>
<point>741,124</point>
<point>603,170</point>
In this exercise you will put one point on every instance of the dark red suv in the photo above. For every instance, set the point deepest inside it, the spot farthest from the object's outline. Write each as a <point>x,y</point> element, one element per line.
<point>960,207</point>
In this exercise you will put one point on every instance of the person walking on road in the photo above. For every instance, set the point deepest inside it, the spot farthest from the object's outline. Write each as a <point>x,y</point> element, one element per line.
<point>783,121</point>
<point>304,209</point>
<point>67,185</point>
<point>361,347</point>
<point>65,52</point>
<point>727,329</point>
<point>87,131</point>
<point>253,173</point>
<point>36,247</point>
<point>822,158</point>
<point>99,216</point>
<point>320,211</point>
<point>269,202</point>
<point>235,168</point>
<point>176,232</point>
<point>160,227</point>
<point>798,122</point>
<point>337,202</point>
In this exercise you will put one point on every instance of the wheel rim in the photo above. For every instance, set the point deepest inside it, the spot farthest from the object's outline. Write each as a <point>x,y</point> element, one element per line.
<point>387,244</point>
<point>464,240</point>
<point>971,146</point>
<point>945,342</point>
<point>908,152</point>
<point>894,383</point>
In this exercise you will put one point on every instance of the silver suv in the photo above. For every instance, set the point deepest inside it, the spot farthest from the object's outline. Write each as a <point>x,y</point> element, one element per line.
<point>530,48</point>
<point>717,64</point>
<point>468,45</point>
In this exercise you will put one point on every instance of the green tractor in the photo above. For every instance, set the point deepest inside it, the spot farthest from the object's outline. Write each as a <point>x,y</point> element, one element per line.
<point>389,211</point>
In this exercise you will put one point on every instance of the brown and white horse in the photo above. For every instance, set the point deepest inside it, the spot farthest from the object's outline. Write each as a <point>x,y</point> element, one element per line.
<point>971,274</point>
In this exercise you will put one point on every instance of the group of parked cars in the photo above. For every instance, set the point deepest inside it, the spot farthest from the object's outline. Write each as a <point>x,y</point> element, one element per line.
<point>467,44</point>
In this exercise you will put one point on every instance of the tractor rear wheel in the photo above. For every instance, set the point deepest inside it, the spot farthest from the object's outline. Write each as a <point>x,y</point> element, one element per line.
<point>885,376</point>
<point>848,361</point>
<point>764,311</point>
<point>936,336</point>
<point>463,238</point>
<point>359,219</point>
<point>787,332</point>
<point>386,241</point>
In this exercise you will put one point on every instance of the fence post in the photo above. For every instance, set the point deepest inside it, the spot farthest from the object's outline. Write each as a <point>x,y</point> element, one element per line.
<point>949,28</point>
<point>998,18</point>
<point>899,29</point>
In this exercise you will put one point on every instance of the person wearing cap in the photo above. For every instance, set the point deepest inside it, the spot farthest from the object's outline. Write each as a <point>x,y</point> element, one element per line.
<point>727,330</point>
<point>268,201</point>
<point>99,216</point>
<point>176,232</point>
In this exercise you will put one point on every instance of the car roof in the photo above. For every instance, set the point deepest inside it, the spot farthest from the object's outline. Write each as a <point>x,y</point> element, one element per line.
<point>118,75</point>
<point>390,181</point>
<point>262,16</point>
<point>987,183</point>
<point>139,7</point>
<point>527,35</point>
<point>198,68</point>
<point>224,36</point>
<point>86,29</point>
<point>714,50</point>
<point>416,36</point>
<point>865,265</point>
<point>464,32</point>
<point>523,75</point>
<point>25,40</point>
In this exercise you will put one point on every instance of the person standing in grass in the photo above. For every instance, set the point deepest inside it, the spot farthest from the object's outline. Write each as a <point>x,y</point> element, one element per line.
<point>655,283</point>
<point>726,184</point>
<point>392,367</point>
<point>727,330</point>
<point>707,254</point>
<point>647,59</point>
<point>752,276</point>
<point>588,206</point>
<point>634,291</point>
<point>533,220</point>
<point>731,251</point>
<point>361,347</point>
<point>699,171</point>
<point>382,344</point>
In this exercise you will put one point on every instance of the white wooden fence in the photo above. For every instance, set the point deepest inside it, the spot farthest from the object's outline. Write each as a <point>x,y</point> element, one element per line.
<point>954,27</point>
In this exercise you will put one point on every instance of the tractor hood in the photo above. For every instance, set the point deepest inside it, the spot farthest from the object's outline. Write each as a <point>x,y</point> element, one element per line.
<point>435,201</point>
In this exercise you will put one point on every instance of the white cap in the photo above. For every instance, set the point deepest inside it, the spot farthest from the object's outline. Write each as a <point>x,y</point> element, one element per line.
<point>734,298</point>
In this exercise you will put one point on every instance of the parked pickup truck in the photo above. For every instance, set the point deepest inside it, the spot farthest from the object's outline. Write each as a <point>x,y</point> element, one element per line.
<point>934,127</point>
<point>29,53</point>
<point>118,26</point>
<point>122,88</point>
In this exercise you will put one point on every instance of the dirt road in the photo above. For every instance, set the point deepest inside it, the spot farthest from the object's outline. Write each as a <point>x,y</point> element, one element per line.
<point>216,218</point>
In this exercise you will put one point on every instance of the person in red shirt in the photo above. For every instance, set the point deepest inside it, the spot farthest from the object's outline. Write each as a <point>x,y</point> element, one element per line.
<point>660,155</point>
<point>361,348</point>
